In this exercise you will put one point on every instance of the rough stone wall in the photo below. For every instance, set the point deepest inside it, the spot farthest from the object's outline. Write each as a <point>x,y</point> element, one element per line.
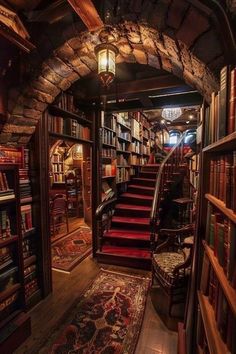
<point>180,40</point>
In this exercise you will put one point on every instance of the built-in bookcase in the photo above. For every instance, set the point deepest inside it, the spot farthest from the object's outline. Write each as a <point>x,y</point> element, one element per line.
<point>125,146</point>
<point>13,295</point>
<point>216,233</point>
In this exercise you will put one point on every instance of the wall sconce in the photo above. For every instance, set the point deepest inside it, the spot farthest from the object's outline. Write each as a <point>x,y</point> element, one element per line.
<point>106,53</point>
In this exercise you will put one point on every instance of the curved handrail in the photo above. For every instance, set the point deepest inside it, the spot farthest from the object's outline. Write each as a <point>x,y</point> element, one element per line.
<point>102,206</point>
<point>153,212</point>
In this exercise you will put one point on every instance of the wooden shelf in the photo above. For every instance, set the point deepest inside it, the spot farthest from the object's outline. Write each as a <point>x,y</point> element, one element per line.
<point>26,200</point>
<point>54,110</point>
<point>136,153</point>
<point>8,241</point>
<point>121,166</point>
<point>28,261</point>
<point>127,180</point>
<point>121,138</point>
<point>227,143</point>
<point>112,176</point>
<point>28,233</point>
<point>228,290</point>
<point>215,343</point>
<point>123,126</point>
<point>8,200</point>
<point>8,292</point>
<point>221,206</point>
<point>181,339</point>
<point>109,145</point>
<point>133,137</point>
<point>69,137</point>
<point>111,130</point>
<point>123,152</point>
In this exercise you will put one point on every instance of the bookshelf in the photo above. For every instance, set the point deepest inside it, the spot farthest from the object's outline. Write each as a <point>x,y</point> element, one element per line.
<point>125,139</point>
<point>216,232</point>
<point>13,300</point>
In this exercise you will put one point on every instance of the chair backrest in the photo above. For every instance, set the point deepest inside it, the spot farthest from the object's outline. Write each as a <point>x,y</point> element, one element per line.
<point>59,205</point>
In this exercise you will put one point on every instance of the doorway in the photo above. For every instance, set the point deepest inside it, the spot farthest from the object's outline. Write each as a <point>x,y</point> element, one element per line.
<point>70,203</point>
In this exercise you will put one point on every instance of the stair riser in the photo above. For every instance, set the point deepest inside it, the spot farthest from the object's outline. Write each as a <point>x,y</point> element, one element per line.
<point>135,201</point>
<point>130,226</point>
<point>124,261</point>
<point>150,169</point>
<point>147,175</point>
<point>132,213</point>
<point>125,242</point>
<point>140,191</point>
<point>144,183</point>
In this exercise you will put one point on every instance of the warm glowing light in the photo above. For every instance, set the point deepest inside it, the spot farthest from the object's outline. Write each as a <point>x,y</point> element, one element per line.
<point>106,56</point>
<point>191,116</point>
<point>171,113</point>
<point>187,122</point>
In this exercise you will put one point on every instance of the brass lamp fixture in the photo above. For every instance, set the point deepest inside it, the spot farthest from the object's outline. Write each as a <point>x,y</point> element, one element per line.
<point>106,56</point>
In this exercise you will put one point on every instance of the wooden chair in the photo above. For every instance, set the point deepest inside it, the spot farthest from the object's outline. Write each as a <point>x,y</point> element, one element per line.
<point>171,262</point>
<point>58,213</point>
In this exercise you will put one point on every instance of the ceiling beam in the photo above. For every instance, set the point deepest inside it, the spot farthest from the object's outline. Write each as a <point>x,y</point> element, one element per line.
<point>178,100</point>
<point>88,13</point>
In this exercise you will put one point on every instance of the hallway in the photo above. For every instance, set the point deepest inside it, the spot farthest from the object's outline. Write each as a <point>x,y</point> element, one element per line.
<point>52,314</point>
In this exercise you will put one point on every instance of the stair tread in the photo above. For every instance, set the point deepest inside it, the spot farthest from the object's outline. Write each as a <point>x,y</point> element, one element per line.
<point>136,232</point>
<point>141,187</point>
<point>126,251</point>
<point>144,179</point>
<point>133,207</point>
<point>137,196</point>
<point>123,219</point>
<point>139,236</point>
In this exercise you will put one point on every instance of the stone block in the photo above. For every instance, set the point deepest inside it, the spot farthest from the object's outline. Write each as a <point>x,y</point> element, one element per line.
<point>18,129</point>
<point>50,75</point>
<point>176,13</point>
<point>59,66</point>
<point>207,47</point>
<point>45,86</point>
<point>192,27</point>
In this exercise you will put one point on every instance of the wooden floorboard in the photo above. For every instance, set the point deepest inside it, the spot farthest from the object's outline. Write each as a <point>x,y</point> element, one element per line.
<point>154,338</point>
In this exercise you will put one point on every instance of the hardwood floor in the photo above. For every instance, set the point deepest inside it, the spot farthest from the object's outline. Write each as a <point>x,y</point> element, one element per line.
<point>154,338</point>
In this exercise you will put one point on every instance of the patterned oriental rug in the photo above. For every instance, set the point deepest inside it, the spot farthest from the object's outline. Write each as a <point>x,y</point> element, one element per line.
<point>72,249</point>
<point>107,318</point>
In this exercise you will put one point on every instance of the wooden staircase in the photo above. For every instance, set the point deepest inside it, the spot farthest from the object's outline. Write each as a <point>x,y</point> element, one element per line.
<point>127,241</point>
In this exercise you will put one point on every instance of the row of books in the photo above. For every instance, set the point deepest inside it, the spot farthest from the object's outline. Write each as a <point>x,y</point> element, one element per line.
<point>8,277</point>
<point>220,117</point>
<point>26,218</point>
<point>122,174</point>
<point>221,237</point>
<point>224,317</point>
<point>67,103</point>
<point>124,119</point>
<point>108,170</point>
<point>56,157</point>
<point>146,149</point>
<point>223,179</point>
<point>59,177</point>
<point>122,159</point>
<point>108,121</point>
<point>121,145</point>
<point>107,152</point>
<point>136,131</point>
<point>136,160</point>
<point>5,257</point>
<point>31,287</point>
<point>136,146</point>
<point>68,126</point>
<point>124,135</point>
<point>8,305</point>
<point>57,167</point>
<point>29,247</point>
<point>5,225</point>
<point>11,155</point>
<point>108,137</point>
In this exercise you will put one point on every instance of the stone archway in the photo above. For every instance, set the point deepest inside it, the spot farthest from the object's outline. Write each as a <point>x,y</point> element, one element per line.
<point>75,59</point>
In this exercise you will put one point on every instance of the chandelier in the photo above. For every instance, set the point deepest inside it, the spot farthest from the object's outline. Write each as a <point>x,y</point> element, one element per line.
<point>171,113</point>
<point>106,56</point>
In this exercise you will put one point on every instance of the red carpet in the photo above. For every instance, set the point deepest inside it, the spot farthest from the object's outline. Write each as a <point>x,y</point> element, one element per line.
<point>107,318</point>
<point>72,249</point>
